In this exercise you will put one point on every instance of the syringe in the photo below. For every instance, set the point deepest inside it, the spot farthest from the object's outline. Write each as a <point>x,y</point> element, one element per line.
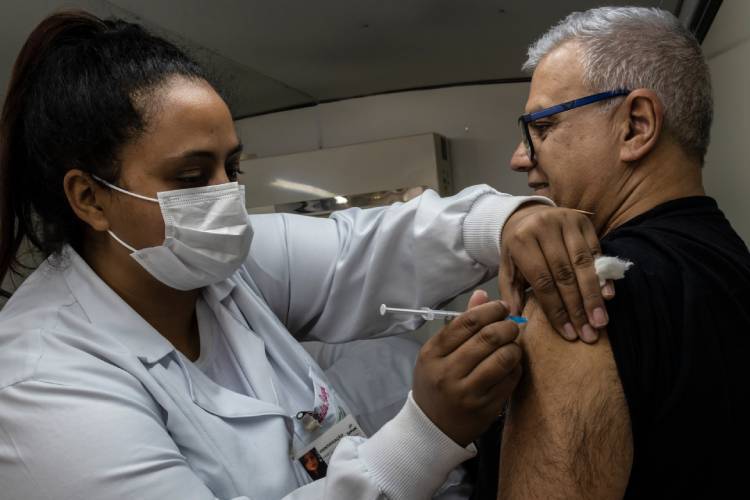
<point>431,314</point>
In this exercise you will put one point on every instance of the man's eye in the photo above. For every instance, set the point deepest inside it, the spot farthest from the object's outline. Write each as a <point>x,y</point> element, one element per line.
<point>539,129</point>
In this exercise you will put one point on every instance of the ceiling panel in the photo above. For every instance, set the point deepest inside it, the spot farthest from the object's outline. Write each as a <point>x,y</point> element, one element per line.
<point>277,54</point>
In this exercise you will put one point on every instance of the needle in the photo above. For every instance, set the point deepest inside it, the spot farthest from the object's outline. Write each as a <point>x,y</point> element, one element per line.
<point>431,314</point>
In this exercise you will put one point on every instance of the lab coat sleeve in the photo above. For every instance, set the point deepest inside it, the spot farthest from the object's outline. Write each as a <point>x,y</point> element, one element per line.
<point>106,445</point>
<point>326,278</point>
<point>409,458</point>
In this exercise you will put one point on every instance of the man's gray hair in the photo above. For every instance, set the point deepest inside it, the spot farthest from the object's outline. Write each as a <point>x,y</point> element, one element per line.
<point>636,47</point>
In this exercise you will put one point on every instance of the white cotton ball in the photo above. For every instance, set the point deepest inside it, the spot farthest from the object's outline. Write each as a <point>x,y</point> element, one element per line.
<point>610,268</point>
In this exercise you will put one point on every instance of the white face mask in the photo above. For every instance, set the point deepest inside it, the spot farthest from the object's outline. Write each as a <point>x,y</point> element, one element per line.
<point>207,235</point>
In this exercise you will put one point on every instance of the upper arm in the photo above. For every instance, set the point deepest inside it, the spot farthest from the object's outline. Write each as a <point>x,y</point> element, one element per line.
<point>65,442</point>
<point>567,432</point>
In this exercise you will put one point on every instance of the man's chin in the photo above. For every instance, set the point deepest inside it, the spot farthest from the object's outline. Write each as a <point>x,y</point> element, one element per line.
<point>543,191</point>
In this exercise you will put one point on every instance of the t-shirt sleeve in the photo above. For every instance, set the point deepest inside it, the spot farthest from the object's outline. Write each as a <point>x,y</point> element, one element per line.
<point>643,325</point>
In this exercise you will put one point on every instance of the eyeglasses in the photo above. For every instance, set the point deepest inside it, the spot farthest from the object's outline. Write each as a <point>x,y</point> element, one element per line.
<point>524,120</point>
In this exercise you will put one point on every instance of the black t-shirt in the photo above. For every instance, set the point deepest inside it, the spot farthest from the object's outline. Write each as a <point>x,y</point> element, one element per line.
<point>680,334</point>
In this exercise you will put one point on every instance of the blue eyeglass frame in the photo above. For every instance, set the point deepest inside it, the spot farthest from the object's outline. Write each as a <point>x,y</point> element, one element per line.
<point>524,120</point>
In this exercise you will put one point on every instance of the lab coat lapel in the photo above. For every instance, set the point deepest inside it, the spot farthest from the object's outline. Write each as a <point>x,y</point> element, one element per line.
<point>285,351</point>
<point>246,345</point>
<point>105,309</point>
<point>222,402</point>
<point>286,354</point>
<point>110,313</point>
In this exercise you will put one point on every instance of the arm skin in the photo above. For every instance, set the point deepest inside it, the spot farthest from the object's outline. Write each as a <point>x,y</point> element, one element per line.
<point>567,432</point>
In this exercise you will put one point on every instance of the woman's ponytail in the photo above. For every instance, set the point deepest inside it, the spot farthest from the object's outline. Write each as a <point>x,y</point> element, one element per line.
<point>16,166</point>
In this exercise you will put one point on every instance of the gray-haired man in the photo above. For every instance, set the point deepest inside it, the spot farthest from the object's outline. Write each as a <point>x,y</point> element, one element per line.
<point>618,119</point>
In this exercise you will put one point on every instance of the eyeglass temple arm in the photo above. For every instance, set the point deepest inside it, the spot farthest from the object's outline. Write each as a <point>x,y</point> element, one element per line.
<point>575,103</point>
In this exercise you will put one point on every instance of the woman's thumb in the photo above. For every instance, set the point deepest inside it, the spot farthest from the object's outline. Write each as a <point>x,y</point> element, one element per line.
<point>477,298</point>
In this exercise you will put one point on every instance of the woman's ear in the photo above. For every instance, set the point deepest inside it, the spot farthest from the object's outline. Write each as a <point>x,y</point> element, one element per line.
<point>86,198</point>
<point>645,118</point>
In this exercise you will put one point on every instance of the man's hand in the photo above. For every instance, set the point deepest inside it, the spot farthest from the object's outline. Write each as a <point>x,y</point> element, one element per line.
<point>553,250</point>
<point>466,372</point>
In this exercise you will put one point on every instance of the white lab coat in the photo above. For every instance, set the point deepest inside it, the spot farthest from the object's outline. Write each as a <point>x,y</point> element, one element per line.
<point>94,403</point>
<point>372,376</point>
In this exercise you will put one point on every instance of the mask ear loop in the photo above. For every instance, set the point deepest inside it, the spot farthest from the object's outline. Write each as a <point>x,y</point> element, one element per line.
<point>124,191</point>
<point>118,240</point>
<point>113,235</point>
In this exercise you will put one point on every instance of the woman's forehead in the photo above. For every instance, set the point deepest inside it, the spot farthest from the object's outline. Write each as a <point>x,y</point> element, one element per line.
<point>187,115</point>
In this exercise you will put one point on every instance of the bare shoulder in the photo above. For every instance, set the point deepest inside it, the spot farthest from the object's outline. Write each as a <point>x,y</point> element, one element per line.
<point>548,354</point>
<point>567,432</point>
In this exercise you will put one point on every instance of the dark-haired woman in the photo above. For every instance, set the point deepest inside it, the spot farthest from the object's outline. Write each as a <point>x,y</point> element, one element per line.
<point>155,355</point>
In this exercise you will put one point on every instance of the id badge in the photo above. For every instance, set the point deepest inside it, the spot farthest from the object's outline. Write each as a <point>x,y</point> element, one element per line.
<point>316,456</point>
<point>320,429</point>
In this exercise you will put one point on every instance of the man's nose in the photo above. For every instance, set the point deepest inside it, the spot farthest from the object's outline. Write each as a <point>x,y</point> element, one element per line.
<point>520,161</point>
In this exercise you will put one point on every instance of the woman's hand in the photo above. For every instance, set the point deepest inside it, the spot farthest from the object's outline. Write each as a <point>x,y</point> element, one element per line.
<point>553,250</point>
<point>465,373</point>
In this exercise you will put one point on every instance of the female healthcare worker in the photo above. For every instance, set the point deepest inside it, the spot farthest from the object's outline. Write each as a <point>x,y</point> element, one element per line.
<point>155,355</point>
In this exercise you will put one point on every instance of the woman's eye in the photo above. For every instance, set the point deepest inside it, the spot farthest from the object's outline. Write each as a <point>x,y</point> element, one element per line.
<point>192,178</point>
<point>233,170</point>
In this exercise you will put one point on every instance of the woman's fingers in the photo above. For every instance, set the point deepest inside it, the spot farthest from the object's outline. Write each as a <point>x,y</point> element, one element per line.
<point>511,285</point>
<point>477,298</point>
<point>608,291</point>
<point>532,263</point>
<point>559,249</point>
<point>554,249</point>
<point>495,361</point>
<point>593,295</point>
<point>465,326</point>
<point>485,343</point>
<point>444,386</point>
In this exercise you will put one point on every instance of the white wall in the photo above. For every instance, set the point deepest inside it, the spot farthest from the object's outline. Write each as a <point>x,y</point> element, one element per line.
<point>727,171</point>
<point>479,121</point>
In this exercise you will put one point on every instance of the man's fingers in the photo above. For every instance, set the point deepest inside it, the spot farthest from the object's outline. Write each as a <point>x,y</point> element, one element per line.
<point>465,326</point>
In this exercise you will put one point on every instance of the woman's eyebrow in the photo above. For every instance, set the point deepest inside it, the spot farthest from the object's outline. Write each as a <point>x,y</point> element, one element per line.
<point>200,153</point>
<point>236,150</point>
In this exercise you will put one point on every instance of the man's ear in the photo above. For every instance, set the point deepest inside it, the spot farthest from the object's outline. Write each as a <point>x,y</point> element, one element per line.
<point>86,198</point>
<point>645,118</point>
